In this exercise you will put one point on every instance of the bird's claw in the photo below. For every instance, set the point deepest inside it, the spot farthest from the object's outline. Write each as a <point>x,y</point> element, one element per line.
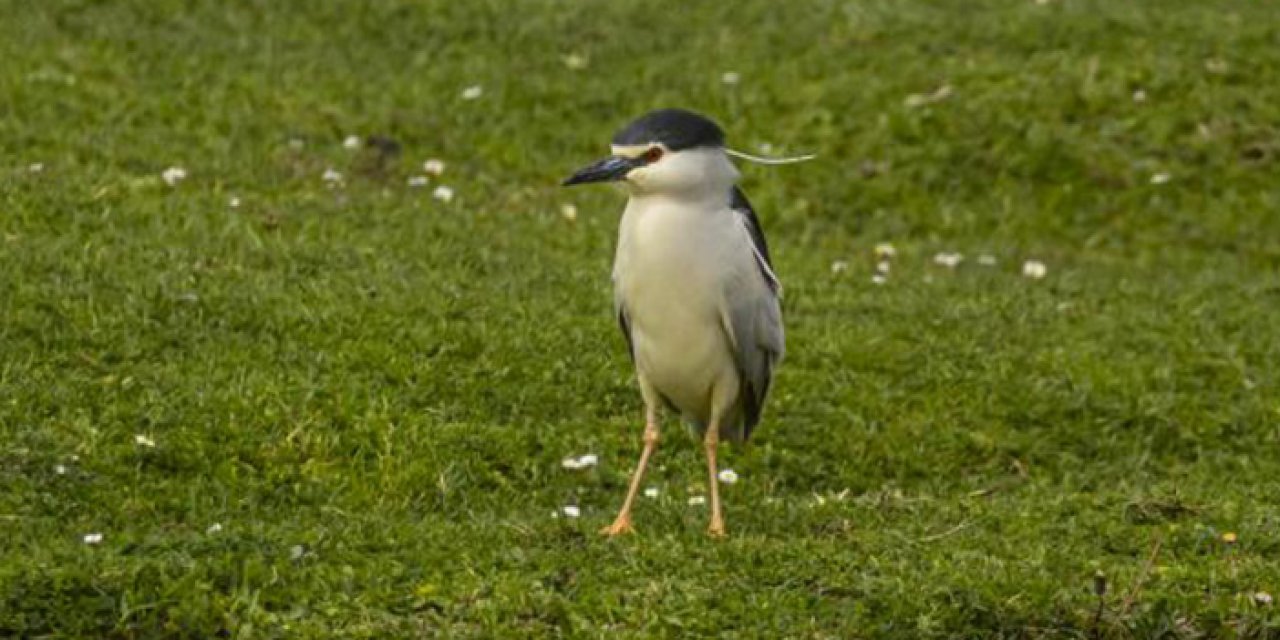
<point>620,526</point>
<point>716,529</point>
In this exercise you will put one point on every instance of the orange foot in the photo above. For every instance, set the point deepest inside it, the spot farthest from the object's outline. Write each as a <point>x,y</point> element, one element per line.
<point>620,526</point>
<point>716,529</point>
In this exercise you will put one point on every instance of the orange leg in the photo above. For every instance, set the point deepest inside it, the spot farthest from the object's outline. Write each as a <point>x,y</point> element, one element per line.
<point>622,524</point>
<point>710,442</point>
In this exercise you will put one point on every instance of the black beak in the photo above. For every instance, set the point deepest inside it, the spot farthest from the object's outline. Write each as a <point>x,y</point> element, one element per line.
<point>607,170</point>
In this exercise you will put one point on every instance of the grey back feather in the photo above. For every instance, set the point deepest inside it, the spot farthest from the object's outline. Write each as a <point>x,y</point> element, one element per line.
<point>739,203</point>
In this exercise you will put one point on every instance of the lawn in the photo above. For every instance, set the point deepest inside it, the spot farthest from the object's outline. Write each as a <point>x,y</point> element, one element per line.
<point>299,393</point>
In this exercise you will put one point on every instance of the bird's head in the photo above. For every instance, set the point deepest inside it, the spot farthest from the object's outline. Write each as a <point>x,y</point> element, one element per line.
<point>669,151</point>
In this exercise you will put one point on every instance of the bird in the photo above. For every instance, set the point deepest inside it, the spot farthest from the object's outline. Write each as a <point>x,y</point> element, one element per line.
<point>695,292</point>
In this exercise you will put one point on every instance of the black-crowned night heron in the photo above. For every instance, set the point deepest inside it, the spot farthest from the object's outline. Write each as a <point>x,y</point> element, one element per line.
<point>695,293</point>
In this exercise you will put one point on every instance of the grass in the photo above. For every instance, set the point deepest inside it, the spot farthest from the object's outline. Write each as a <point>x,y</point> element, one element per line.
<point>370,390</point>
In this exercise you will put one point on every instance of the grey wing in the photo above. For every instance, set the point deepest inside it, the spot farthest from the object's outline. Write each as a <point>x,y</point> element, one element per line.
<point>753,318</point>
<point>759,344</point>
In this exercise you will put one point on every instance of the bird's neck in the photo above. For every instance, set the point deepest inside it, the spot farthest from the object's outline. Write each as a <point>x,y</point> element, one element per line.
<point>705,196</point>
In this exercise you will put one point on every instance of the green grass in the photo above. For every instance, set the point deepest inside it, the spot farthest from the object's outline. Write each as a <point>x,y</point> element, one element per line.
<point>371,391</point>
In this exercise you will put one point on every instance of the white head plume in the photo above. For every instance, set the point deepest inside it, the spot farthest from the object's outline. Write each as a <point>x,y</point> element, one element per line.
<point>769,161</point>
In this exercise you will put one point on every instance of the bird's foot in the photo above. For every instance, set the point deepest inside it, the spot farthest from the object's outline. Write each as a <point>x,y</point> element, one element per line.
<point>620,526</point>
<point>716,528</point>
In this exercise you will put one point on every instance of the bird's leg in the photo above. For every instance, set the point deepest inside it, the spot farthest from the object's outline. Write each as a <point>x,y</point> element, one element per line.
<point>710,442</point>
<point>622,524</point>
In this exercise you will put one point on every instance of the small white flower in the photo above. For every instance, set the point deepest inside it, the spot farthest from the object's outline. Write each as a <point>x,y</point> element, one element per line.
<point>728,476</point>
<point>1139,96</point>
<point>569,212</point>
<point>434,166</point>
<point>214,528</point>
<point>143,441</point>
<point>697,500</point>
<point>472,92</point>
<point>332,176</point>
<point>948,260</point>
<point>1034,269</point>
<point>93,538</point>
<point>651,492</point>
<point>730,77</point>
<point>581,462</point>
<point>575,61</point>
<point>921,99</point>
<point>351,142</point>
<point>234,202</point>
<point>1262,598</point>
<point>987,260</point>
<point>885,251</point>
<point>879,278</point>
<point>571,511</point>
<point>1160,178</point>
<point>839,266</point>
<point>417,181</point>
<point>443,193</point>
<point>35,167</point>
<point>297,551</point>
<point>60,469</point>
<point>883,266</point>
<point>173,175</point>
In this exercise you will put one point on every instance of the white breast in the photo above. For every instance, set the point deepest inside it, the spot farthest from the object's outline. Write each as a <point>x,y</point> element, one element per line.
<point>674,264</point>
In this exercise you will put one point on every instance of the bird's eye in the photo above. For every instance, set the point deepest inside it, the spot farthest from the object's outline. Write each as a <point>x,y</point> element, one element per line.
<point>654,154</point>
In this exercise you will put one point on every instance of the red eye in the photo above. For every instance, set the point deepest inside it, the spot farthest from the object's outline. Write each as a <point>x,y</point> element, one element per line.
<point>654,154</point>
